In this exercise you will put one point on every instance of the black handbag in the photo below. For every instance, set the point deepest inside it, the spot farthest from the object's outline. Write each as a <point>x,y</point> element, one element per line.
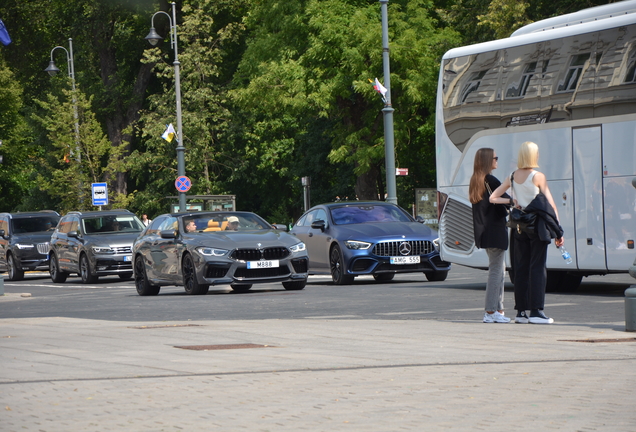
<point>523,222</point>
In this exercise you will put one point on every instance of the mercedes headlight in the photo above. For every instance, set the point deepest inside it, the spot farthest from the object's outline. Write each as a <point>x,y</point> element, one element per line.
<point>353,244</point>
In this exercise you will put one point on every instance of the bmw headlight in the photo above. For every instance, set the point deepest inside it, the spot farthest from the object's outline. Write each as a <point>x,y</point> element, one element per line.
<point>24,246</point>
<point>298,247</point>
<point>353,244</point>
<point>103,250</point>
<point>210,251</point>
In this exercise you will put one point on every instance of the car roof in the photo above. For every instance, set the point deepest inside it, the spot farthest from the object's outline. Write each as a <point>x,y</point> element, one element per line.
<point>32,214</point>
<point>100,213</point>
<point>356,203</point>
<point>207,213</point>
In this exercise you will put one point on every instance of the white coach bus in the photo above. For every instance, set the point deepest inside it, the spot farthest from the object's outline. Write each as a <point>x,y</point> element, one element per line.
<point>568,84</point>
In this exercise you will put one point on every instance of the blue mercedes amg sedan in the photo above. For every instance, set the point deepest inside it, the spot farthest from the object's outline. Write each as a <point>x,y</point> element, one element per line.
<point>348,239</point>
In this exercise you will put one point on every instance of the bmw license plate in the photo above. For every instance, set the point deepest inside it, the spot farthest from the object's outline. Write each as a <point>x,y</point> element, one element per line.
<point>405,260</point>
<point>262,264</point>
<point>127,257</point>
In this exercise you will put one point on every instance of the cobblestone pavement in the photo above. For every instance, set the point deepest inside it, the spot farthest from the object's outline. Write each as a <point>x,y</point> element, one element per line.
<point>62,374</point>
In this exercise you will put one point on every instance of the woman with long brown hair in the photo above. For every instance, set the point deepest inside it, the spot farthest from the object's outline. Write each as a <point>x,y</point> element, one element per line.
<point>489,225</point>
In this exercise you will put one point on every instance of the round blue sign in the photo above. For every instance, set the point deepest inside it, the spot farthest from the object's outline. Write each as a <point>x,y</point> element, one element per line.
<point>183,184</point>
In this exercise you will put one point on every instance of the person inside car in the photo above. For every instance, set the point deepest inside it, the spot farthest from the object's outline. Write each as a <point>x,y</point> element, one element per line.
<point>190,226</point>
<point>232,224</point>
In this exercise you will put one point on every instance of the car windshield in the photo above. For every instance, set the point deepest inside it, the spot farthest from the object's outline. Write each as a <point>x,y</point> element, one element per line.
<point>356,214</point>
<point>216,222</point>
<point>112,223</point>
<point>34,224</point>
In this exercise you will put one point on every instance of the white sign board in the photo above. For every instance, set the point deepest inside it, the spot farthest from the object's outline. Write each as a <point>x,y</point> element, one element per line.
<point>100,194</point>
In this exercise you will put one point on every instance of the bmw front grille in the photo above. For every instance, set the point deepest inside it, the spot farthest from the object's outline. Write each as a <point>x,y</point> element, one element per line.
<point>43,248</point>
<point>272,253</point>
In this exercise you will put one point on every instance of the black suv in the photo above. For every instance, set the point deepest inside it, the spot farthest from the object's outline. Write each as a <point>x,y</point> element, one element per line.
<point>93,244</point>
<point>24,241</point>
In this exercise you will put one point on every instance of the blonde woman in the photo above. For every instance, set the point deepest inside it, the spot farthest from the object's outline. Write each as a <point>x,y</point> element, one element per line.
<point>489,225</point>
<point>529,251</point>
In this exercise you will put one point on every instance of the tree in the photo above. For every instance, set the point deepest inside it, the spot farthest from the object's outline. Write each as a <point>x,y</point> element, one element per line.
<point>77,159</point>
<point>312,64</point>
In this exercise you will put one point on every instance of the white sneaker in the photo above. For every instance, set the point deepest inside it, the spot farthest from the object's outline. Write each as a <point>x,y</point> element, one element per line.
<point>495,317</point>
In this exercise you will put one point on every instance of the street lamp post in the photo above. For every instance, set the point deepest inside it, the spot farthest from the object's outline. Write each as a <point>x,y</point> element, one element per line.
<point>154,38</point>
<point>389,147</point>
<point>52,71</point>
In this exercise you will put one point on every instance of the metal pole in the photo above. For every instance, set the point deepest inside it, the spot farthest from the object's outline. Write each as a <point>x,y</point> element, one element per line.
<point>389,147</point>
<point>71,72</point>
<point>177,87</point>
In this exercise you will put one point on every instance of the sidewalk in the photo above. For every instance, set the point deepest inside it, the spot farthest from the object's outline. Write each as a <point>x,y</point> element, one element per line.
<point>62,374</point>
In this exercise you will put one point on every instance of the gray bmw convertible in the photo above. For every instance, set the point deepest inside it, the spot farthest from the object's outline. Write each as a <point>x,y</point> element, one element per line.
<point>196,250</point>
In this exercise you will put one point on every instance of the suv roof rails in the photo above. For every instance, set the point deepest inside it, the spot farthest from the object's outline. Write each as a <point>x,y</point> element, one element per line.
<point>79,212</point>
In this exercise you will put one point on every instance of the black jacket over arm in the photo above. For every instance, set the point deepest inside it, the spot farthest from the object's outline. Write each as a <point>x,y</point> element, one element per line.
<point>547,225</point>
<point>489,220</point>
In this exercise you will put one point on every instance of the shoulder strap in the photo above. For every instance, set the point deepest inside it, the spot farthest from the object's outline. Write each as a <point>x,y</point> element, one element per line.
<point>488,187</point>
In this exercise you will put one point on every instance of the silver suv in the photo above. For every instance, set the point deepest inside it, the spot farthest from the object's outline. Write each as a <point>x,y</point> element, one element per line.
<point>93,244</point>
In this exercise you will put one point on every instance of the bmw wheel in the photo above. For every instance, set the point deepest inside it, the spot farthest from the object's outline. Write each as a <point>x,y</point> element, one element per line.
<point>190,281</point>
<point>144,288</point>
<point>57,276</point>
<point>85,270</point>
<point>336,264</point>
<point>15,273</point>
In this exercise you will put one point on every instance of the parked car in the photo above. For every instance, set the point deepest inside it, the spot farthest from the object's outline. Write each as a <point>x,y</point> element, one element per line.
<point>94,244</point>
<point>24,241</point>
<point>196,250</point>
<point>348,239</point>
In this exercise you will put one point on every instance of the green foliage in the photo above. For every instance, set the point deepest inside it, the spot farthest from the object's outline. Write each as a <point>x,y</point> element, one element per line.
<point>80,152</point>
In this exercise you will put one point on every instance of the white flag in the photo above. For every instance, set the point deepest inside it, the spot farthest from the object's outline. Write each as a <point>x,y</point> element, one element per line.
<point>380,88</point>
<point>169,134</point>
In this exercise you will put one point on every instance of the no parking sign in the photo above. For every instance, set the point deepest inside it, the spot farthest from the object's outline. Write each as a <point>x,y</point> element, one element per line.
<point>183,184</point>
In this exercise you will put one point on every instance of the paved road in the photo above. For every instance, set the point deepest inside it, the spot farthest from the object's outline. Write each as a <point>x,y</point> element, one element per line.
<point>409,355</point>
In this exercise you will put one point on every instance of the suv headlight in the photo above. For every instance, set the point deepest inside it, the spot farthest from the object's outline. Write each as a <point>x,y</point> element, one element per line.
<point>298,247</point>
<point>24,246</point>
<point>209,251</point>
<point>103,250</point>
<point>353,244</point>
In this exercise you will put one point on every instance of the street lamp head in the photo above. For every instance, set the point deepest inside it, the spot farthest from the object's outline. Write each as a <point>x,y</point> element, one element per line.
<point>52,69</point>
<point>153,37</point>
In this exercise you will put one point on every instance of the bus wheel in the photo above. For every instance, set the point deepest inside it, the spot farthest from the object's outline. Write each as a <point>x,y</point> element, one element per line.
<point>558,281</point>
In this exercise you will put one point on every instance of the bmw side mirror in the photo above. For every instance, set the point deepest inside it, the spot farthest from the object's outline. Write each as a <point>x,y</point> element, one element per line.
<point>168,234</point>
<point>319,224</point>
<point>73,234</point>
<point>2,233</point>
<point>280,227</point>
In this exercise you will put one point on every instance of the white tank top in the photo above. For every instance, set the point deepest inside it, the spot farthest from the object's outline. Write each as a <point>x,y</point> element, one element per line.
<point>526,191</point>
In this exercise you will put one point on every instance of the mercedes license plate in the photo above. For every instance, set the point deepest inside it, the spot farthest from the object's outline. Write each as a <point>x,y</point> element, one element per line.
<point>405,260</point>
<point>262,264</point>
